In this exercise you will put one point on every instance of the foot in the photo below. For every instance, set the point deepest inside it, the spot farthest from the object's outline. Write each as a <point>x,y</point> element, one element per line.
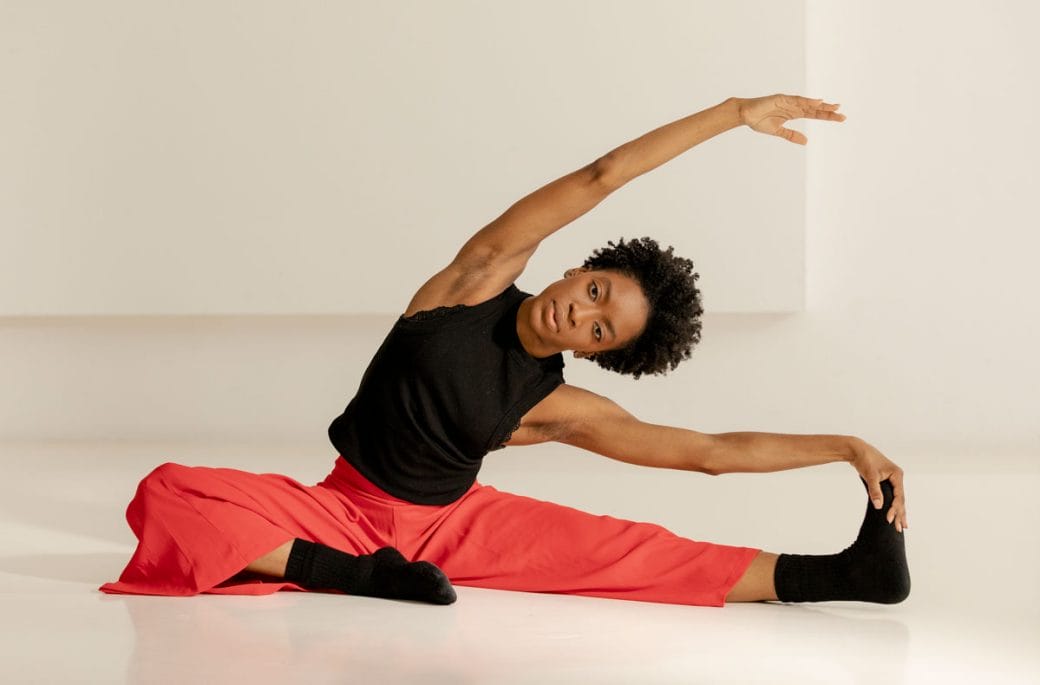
<point>877,559</point>
<point>397,578</point>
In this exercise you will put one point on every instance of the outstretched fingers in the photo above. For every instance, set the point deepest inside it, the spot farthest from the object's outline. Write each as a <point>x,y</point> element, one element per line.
<point>818,109</point>
<point>807,108</point>
<point>815,108</point>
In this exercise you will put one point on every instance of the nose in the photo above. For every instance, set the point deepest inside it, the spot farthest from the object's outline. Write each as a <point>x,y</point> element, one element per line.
<point>578,314</point>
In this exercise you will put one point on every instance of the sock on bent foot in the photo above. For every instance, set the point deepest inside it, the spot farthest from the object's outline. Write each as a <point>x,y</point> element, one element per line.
<point>385,573</point>
<point>872,569</point>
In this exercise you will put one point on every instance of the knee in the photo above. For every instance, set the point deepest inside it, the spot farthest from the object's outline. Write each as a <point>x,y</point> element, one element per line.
<point>165,476</point>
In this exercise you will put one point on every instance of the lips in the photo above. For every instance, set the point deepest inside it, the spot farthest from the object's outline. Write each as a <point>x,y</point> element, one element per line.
<point>552,317</point>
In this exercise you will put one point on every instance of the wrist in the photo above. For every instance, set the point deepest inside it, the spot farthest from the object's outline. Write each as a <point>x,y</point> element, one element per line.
<point>852,448</point>
<point>736,107</point>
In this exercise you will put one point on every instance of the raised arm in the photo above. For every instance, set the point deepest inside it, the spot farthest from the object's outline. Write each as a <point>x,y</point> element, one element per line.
<point>498,253</point>
<point>507,243</point>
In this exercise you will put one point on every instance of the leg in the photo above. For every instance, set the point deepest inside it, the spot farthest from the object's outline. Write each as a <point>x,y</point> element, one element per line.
<point>756,584</point>
<point>199,528</point>
<point>499,540</point>
<point>272,563</point>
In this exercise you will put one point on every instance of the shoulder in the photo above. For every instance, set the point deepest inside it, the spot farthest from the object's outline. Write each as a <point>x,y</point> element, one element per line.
<point>468,280</point>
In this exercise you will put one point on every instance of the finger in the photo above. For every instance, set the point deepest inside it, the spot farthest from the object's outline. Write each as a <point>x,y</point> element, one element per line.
<point>815,107</point>
<point>874,485</point>
<point>898,517</point>
<point>829,116</point>
<point>825,111</point>
<point>791,135</point>
<point>898,492</point>
<point>895,515</point>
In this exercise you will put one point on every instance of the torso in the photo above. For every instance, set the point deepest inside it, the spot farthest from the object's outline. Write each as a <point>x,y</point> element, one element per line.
<point>451,287</point>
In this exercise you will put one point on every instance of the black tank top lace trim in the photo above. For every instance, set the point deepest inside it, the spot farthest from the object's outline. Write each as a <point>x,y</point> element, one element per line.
<point>434,313</point>
<point>509,435</point>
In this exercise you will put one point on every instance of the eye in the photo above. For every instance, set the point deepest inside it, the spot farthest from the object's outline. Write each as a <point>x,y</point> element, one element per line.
<point>595,290</point>
<point>598,331</point>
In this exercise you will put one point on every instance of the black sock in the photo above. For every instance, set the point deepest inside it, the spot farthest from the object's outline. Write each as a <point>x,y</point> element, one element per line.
<point>385,573</point>
<point>872,569</point>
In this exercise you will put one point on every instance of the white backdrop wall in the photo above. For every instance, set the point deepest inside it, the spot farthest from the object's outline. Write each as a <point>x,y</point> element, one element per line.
<point>279,157</point>
<point>920,327</point>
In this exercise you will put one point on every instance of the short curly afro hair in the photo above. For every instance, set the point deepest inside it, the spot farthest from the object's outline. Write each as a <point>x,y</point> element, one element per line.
<point>673,327</point>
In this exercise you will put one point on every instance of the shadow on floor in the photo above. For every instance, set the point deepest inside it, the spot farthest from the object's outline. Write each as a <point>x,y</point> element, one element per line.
<point>95,567</point>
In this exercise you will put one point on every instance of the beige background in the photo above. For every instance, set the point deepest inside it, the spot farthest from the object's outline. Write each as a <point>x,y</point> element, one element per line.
<point>920,328</point>
<point>297,158</point>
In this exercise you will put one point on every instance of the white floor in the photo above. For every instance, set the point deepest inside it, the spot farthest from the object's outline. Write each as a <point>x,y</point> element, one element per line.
<point>972,616</point>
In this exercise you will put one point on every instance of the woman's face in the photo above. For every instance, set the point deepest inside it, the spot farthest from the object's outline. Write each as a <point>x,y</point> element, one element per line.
<point>588,312</point>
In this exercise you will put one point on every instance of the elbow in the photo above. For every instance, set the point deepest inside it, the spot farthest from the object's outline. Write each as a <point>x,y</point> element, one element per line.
<point>708,470</point>
<point>709,462</point>
<point>605,172</point>
<point>700,452</point>
<point>698,465</point>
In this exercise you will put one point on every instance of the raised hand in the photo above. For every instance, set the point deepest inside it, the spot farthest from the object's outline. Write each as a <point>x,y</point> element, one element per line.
<point>768,114</point>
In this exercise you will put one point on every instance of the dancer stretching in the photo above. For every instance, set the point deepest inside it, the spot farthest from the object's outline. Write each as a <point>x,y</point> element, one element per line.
<point>473,365</point>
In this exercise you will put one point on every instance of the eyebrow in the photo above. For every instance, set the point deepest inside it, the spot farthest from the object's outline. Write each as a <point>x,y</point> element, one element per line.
<point>606,294</point>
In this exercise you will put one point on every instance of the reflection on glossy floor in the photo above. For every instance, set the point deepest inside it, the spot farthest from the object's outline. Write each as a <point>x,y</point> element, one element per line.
<point>972,616</point>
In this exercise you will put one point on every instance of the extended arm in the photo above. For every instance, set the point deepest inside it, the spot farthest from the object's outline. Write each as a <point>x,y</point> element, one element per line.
<point>507,243</point>
<point>749,452</point>
<point>579,417</point>
<point>653,149</point>
<point>765,115</point>
<point>576,416</point>
<point>626,438</point>
<point>515,235</point>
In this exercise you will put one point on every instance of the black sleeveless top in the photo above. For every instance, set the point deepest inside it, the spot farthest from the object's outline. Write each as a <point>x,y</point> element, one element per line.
<point>446,387</point>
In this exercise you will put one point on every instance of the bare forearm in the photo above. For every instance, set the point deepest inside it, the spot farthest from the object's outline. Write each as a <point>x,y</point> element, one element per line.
<point>650,151</point>
<point>749,452</point>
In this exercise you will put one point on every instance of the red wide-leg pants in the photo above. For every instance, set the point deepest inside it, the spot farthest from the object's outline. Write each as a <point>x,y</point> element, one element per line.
<point>199,527</point>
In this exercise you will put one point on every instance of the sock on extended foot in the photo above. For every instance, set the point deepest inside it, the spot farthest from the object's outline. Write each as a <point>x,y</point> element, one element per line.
<point>872,569</point>
<point>384,573</point>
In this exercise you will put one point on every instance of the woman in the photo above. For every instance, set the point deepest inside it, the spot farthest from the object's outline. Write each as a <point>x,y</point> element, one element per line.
<point>474,365</point>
